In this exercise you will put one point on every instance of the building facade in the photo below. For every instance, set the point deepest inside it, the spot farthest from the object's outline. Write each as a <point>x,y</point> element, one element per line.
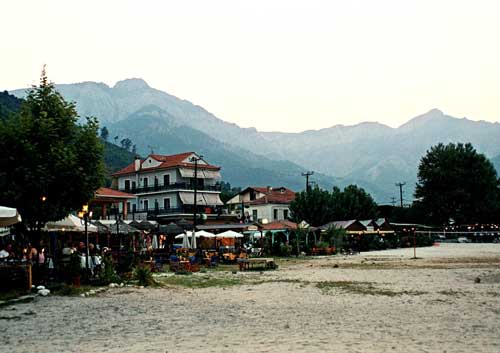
<point>164,187</point>
<point>263,203</point>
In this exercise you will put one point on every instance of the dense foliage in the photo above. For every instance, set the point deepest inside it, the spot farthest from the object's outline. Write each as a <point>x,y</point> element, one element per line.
<point>457,183</point>
<point>8,104</point>
<point>318,207</point>
<point>49,164</point>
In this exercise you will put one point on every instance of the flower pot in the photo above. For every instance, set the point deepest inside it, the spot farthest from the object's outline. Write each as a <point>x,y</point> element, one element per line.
<point>75,281</point>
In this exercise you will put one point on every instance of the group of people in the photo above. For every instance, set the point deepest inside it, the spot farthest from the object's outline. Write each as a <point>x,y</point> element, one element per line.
<point>28,254</point>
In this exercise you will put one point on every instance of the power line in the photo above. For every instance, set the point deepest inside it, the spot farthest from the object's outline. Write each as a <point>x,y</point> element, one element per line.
<point>401,191</point>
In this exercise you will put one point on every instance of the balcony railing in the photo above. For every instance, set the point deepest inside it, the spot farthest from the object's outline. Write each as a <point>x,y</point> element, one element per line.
<point>153,212</point>
<point>173,186</point>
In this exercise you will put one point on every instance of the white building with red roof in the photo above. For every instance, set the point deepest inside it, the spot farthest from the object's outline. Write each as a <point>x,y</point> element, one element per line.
<point>164,186</point>
<point>262,203</point>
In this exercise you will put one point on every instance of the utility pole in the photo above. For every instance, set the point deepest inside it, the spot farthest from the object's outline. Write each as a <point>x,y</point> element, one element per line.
<point>401,191</point>
<point>307,174</point>
<point>195,160</point>
<point>393,201</point>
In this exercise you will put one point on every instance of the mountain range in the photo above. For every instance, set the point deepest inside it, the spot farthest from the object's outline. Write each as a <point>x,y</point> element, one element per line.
<point>370,154</point>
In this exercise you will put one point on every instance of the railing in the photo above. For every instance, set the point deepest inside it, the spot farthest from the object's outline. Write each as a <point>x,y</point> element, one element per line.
<point>152,212</point>
<point>173,186</point>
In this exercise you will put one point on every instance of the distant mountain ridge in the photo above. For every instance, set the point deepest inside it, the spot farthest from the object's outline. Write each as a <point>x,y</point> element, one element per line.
<point>370,154</point>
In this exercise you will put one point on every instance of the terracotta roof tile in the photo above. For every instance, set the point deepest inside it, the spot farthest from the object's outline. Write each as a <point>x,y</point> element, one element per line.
<point>280,195</point>
<point>171,161</point>
<point>106,192</point>
<point>278,225</point>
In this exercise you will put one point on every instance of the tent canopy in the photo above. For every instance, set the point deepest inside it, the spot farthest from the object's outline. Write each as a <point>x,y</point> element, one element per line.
<point>200,233</point>
<point>71,224</point>
<point>9,216</point>
<point>229,234</point>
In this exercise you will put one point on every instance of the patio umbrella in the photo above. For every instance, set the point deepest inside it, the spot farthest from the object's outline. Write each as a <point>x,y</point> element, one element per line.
<point>202,233</point>
<point>72,224</point>
<point>229,234</point>
<point>171,228</point>
<point>185,241</point>
<point>193,241</point>
<point>9,216</point>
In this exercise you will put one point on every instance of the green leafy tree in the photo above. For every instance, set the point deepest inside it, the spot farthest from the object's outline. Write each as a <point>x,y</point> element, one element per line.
<point>318,207</point>
<point>49,165</point>
<point>315,207</point>
<point>104,133</point>
<point>354,203</point>
<point>455,182</point>
<point>126,143</point>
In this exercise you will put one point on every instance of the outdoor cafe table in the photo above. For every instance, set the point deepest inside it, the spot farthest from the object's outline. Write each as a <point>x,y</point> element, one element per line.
<point>250,263</point>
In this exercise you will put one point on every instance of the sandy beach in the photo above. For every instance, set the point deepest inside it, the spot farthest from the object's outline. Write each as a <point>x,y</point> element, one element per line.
<point>380,301</point>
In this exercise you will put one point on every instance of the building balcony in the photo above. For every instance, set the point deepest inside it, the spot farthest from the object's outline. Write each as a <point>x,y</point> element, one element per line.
<point>173,186</point>
<point>154,212</point>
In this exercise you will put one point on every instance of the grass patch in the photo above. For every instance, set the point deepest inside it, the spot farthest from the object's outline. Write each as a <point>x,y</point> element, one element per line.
<point>12,294</point>
<point>363,288</point>
<point>450,292</point>
<point>71,291</point>
<point>200,281</point>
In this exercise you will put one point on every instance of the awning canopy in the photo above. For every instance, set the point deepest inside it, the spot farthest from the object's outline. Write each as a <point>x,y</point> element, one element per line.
<point>202,173</point>
<point>229,234</point>
<point>9,216</point>
<point>203,199</point>
<point>70,224</point>
<point>200,233</point>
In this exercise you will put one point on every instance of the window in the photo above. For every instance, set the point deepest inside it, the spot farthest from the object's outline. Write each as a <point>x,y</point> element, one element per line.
<point>133,185</point>
<point>127,185</point>
<point>285,214</point>
<point>128,206</point>
<point>166,179</point>
<point>156,182</point>
<point>275,214</point>
<point>156,204</point>
<point>134,208</point>
<point>254,215</point>
<point>146,205</point>
<point>145,182</point>
<point>166,204</point>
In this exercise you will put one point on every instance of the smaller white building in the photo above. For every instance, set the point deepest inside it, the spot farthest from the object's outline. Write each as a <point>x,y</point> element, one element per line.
<point>261,203</point>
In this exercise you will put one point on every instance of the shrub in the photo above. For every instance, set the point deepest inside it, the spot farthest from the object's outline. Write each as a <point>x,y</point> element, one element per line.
<point>285,250</point>
<point>109,274</point>
<point>143,276</point>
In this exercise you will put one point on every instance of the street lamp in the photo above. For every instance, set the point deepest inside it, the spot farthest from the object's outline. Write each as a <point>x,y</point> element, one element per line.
<point>86,215</point>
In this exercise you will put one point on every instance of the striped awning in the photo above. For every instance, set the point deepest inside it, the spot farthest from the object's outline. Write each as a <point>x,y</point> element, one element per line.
<point>202,173</point>
<point>203,199</point>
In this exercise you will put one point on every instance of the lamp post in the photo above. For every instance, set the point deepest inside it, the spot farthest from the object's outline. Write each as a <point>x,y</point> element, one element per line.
<point>195,159</point>
<point>85,215</point>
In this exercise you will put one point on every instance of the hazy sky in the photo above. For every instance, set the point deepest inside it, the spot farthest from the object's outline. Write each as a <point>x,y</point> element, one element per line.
<point>276,65</point>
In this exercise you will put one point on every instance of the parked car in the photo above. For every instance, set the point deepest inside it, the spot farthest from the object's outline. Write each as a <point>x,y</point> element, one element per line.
<point>463,240</point>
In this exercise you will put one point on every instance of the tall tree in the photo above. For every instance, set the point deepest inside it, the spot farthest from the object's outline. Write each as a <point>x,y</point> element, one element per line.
<point>49,165</point>
<point>126,143</point>
<point>315,207</point>
<point>318,207</point>
<point>104,133</point>
<point>355,203</point>
<point>455,182</point>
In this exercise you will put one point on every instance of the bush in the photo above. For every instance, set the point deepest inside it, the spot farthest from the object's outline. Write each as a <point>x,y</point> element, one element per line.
<point>143,276</point>
<point>109,274</point>
<point>322,244</point>
<point>285,250</point>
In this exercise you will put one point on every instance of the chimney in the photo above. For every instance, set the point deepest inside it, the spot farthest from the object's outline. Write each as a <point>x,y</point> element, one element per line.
<point>137,163</point>
<point>269,189</point>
